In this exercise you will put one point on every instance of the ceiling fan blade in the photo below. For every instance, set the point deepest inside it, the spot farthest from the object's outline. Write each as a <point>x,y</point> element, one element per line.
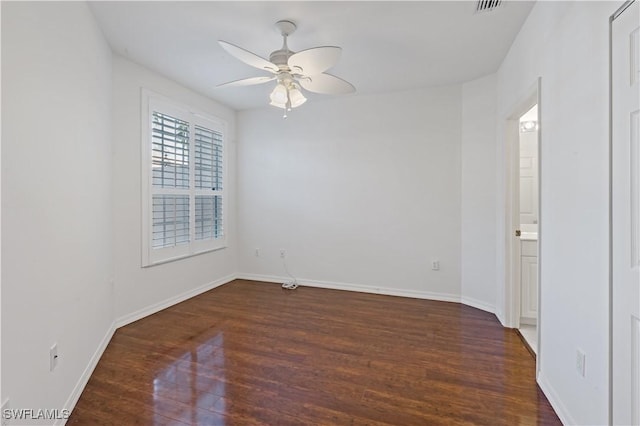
<point>315,60</point>
<point>248,57</point>
<point>327,84</point>
<point>247,81</point>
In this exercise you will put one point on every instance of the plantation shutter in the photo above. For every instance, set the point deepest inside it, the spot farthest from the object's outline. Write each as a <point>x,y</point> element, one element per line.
<point>170,152</point>
<point>185,210</point>
<point>208,177</point>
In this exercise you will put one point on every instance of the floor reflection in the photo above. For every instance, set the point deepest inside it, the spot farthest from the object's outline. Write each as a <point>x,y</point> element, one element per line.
<point>341,358</point>
<point>197,379</point>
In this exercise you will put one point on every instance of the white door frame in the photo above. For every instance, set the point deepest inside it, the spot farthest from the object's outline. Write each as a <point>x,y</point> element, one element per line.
<point>512,209</point>
<point>613,244</point>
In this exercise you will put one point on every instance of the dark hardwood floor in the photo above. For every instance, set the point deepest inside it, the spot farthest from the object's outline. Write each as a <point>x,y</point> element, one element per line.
<point>251,353</point>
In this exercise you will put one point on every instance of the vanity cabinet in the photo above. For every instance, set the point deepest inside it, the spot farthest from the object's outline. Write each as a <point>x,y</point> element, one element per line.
<point>529,281</point>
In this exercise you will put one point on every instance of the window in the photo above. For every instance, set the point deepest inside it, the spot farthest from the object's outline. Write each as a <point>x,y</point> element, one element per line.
<point>183,182</point>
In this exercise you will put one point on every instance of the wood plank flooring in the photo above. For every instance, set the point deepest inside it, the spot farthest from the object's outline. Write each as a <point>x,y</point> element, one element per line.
<point>251,353</point>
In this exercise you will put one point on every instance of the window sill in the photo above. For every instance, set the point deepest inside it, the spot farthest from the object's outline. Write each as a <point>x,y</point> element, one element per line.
<point>182,257</point>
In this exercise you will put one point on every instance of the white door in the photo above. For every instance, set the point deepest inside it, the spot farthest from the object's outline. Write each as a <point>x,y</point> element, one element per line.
<point>625,218</point>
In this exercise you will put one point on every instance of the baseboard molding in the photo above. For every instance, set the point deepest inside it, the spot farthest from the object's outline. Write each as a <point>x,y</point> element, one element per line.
<point>501,318</point>
<point>157,307</point>
<point>555,401</point>
<point>265,278</point>
<point>127,319</point>
<point>479,304</point>
<point>86,374</point>
<point>356,287</point>
<point>528,321</point>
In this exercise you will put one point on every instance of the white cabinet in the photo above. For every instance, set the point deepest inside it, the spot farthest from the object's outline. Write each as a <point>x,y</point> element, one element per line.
<point>529,282</point>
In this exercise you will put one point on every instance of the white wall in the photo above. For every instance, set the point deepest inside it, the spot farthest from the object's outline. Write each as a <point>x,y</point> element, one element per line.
<point>56,210</point>
<point>567,44</point>
<point>361,191</point>
<point>478,193</point>
<point>140,291</point>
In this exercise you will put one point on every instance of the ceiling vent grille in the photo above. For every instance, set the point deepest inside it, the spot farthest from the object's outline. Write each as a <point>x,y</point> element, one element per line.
<point>487,5</point>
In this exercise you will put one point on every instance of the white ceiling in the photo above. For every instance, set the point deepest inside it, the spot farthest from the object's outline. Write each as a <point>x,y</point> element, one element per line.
<point>387,45</point>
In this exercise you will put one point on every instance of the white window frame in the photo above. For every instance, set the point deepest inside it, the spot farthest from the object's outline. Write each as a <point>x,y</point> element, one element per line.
<point>151,102</point>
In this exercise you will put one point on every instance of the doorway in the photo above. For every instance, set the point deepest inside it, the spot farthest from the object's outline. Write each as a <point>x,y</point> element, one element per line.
<point>523,227</point>
<point>528,195</point>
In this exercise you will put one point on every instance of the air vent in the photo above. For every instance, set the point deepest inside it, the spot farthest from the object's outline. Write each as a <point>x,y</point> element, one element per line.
<point>487,5</point>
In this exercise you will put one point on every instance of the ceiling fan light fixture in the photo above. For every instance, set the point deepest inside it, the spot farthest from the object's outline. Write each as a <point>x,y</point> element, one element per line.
<point>287,96</point>
<point>296,97</point>
<point>294,71</point>
<point>279,96</point>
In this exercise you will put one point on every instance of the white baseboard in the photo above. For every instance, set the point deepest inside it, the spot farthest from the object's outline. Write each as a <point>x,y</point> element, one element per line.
<point>555,401</point>
<point>265,278</point>
<point>157,307</point>
<point>356,287</point>
<point>86,374</point>
<point>500,315</point>
<point>129,318</point>
<point>479,304</point>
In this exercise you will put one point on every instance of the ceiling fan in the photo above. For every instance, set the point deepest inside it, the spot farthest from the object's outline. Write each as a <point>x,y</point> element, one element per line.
<point>292,71</point>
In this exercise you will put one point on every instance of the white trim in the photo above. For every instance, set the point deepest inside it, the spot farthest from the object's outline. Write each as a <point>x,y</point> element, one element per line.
<point>157,307</point>
<point>500,317</point>
<point>71,402</point>
<point>479,304</point>
<point>540,228</point>
<point>442,297</point>
<point>510,190</point>
<point>152,309</point>
<point>86,374</point>
<point>512,284</point>
<point>185,256</point>
<point>150,101</point>
<point>145,176</point>
<point>555,400</point>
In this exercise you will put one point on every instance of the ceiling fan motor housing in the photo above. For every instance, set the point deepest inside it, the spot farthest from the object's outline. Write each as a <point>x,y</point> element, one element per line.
<point>293,71</point>
<point>280,58</point>
<point>285,27</point>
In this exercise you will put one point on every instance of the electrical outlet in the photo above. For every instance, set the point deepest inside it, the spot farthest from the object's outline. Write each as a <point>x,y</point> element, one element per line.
<point>283,253</point>
<point>435,265</point>
<point>5,406</point>
<point>53,357</point>
<point>581,360</point>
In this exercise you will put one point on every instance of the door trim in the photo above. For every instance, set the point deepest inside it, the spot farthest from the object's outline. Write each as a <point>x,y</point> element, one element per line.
<point>512,266</point>
<point>612,18</point>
